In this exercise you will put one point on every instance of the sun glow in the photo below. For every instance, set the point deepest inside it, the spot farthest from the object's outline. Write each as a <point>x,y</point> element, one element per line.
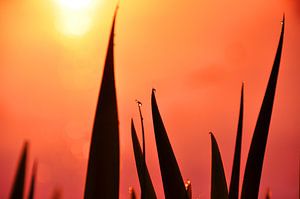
<point>74,16</point>
<point>75,4</point>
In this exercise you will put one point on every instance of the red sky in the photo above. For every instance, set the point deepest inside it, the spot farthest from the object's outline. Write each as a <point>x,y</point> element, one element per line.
<point>195,53</point>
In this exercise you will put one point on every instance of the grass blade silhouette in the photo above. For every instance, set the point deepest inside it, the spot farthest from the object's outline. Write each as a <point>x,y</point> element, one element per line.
<point>32,184</point>
<point>142,182</point>
<point>218,181</point>
<point>102,179</point>
<point>256,154</point>
<point>173,184</point>
<point>235,174</point>
<point>19,181</point>
<point>144,177</point>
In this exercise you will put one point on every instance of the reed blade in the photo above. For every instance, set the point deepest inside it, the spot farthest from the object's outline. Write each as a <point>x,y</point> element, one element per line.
<point>32,184</point>
<point>235,174</point>
<point>172,180</point>
<point>218,181</point>
<point>252,176</point>
<point>19,181</point>
<point>144,178</point>
<point>102,179</point>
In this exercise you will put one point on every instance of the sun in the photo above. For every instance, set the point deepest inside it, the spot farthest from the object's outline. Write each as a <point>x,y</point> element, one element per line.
<point>74,16</point>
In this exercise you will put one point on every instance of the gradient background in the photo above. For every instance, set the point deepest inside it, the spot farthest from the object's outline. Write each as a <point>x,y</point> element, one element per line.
<point>195,53</point>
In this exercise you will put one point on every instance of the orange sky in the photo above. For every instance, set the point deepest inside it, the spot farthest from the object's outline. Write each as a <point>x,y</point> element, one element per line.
<point>195,53</point>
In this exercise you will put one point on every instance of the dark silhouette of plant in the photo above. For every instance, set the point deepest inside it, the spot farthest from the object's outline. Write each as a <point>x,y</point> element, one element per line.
<point>102,179</point>
<point>32,184</point>
<point>173,184</point>
<point>235,174</point>
<point>218,181</point>
<point>256,154</point>
<point>19,182</point>
<point>145,181</point>
<point>143,152</point>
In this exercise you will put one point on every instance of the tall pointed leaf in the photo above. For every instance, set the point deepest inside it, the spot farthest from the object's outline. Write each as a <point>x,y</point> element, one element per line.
<point>235,174</point>
<point>256,154</point>
<point>218,181</point>
<point>32,184</point>
<point>19,182</point>
<point>102,179</point>
<point>172,180</point>
<point>144,177</point>
<point>142,181</point>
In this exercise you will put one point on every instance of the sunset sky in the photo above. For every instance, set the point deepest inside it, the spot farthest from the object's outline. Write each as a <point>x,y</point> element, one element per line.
<point>195,53</point>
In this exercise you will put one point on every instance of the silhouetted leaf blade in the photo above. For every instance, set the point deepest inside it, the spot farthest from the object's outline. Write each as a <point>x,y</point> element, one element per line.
<point>32,184</point>
<point>256,154</point>
<point>102,179</point>
<point>172,180</point>
<point>19,181</point>
<point>218,181</point>
<point>143,173</point>
<point>235,174</point>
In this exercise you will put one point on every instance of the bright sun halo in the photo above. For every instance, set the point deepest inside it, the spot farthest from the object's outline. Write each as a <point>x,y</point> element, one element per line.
<point>74,16</point>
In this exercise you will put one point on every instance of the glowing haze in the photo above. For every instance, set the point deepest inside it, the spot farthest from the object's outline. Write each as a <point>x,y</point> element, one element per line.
<point>195,53</point>
<point>75,16</point>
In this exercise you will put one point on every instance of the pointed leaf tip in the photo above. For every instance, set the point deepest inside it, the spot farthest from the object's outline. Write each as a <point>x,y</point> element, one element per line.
<point>33,179</point>
<point>283,19</point>
<point>235,174</point>
<point>254,164</point>
<point>172,180</point>
<point>147,189</point>
<point>19,181</point>
<point>218,181</point>
<point>102,179</point>
<point>153,90</point>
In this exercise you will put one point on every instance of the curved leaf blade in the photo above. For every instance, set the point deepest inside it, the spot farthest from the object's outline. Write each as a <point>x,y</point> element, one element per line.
<point>102,179</point>
<point>235,174</point>
<point>19,181</point>
<point>218,181</point>
<point>256,154</point>
<point>32,184</point>
<point>172,180</point>
<point>143,173</point>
